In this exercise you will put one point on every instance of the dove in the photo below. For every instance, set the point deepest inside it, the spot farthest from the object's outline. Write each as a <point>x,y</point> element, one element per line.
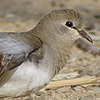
<point>29,60</point>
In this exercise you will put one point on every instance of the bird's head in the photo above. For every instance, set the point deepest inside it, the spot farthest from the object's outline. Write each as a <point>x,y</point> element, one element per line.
<point>62,26</point>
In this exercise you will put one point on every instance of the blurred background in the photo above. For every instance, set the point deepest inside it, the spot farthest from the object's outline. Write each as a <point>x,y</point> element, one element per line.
<point>30,11</point>
<point>22,15</point>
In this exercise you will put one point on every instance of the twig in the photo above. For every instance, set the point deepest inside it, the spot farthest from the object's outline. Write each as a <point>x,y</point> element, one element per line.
<point>71,82</point>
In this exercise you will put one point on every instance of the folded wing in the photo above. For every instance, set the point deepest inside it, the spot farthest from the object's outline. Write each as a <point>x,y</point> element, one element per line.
<point>14,50</point>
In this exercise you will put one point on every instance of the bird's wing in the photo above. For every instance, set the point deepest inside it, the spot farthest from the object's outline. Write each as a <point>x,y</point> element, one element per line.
<point>14,49</point>
<point>10,61</point>
<point>13,43</point>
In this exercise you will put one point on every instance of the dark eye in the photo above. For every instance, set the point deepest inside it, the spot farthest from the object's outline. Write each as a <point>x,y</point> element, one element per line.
<point>69,24</point>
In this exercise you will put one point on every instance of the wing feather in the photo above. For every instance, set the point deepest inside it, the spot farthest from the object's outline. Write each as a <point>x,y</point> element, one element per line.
<point>14,50</point>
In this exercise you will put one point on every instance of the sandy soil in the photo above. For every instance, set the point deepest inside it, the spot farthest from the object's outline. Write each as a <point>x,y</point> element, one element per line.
<point>21,15</point>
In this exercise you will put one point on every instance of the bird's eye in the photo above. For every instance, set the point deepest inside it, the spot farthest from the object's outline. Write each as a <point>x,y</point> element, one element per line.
<point>69,24</point>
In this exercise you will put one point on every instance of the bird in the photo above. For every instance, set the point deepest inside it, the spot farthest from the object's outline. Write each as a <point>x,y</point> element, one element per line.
<point>29,60</point>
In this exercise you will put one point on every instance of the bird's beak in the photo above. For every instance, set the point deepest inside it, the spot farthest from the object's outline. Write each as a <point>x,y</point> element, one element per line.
<point>84,35</point>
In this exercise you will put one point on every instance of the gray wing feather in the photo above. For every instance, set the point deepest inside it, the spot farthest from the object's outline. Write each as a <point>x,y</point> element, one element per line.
<point>13,43</point>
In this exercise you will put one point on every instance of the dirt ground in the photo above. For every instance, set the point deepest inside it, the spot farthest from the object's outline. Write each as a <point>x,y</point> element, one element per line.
<point>22,15</point>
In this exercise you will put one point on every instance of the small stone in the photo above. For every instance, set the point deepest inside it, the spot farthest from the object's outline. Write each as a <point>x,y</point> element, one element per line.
<point>43,90</point>
<point>65,76</point>
<point>77,88</point>
<point>62,89</point>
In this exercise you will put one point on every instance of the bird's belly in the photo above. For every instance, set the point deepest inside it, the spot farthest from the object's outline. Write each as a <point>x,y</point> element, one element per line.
<point>27,78</point>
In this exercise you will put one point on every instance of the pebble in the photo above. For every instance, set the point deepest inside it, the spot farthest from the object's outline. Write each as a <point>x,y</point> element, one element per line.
<point>64,90</point>
<point>77,88</point>
<point>65,76</point>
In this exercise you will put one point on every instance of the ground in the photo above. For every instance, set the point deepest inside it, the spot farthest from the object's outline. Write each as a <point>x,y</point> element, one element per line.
<point>22,15</point>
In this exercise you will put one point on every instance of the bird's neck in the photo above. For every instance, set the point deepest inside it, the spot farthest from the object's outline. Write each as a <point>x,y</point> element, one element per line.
<point>55,50</point>
<point>62,54</point>
<point>54,59</point>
